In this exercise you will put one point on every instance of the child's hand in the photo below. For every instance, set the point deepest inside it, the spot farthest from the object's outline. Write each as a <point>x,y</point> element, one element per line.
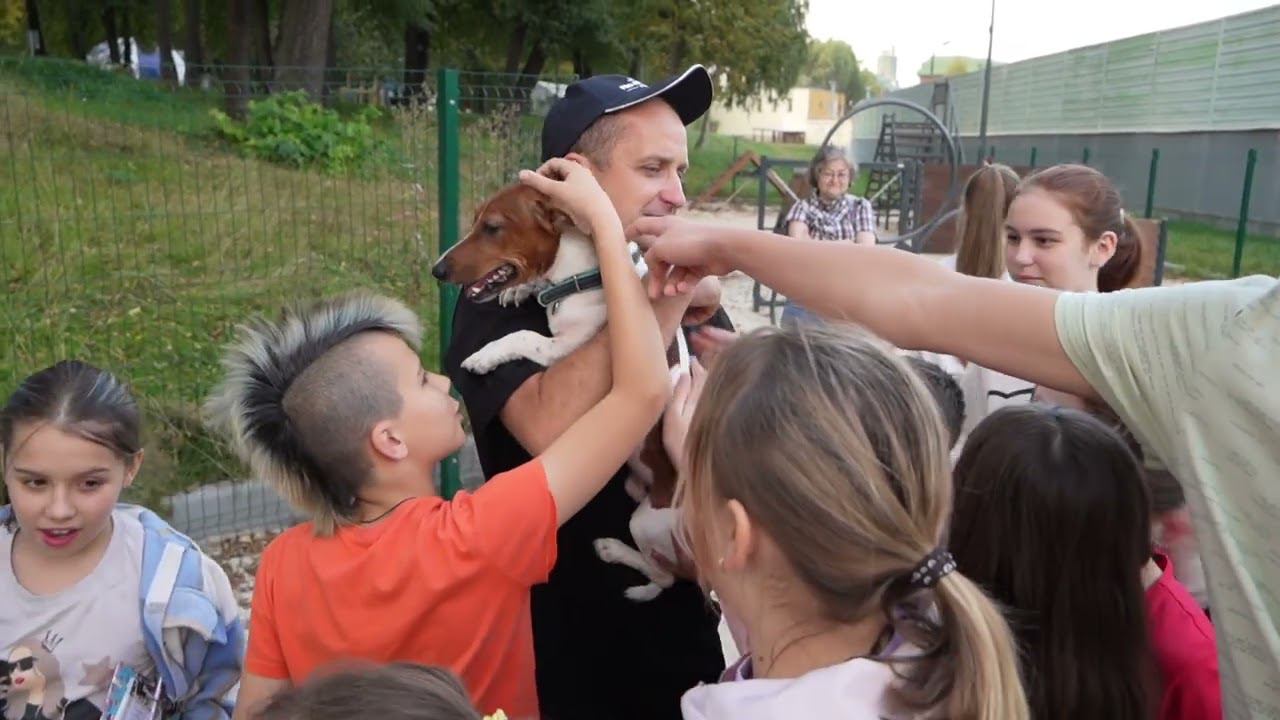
<point>675,422</point>
<point>574,191</point>
<point>678,253</point>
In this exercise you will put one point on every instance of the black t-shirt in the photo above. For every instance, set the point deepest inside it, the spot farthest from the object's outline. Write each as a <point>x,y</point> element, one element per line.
<point>598,654</point>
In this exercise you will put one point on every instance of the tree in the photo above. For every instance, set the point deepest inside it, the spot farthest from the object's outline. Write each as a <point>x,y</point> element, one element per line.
<point>164,31</point>
<point>194,38</point>
<point>832,63</point>
<point>302,49</point>
<point>113,33</point>
<point>239,47</point>
<point>871,83</point>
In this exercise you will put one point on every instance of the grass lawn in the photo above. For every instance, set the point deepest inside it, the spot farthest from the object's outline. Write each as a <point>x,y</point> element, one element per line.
<point>719,152</point>
<point>1205,252</point>
<point>133,238</point>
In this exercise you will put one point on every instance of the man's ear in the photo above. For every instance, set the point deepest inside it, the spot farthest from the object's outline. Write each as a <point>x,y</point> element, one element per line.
<point>387,441</point>
<point>582,160</point>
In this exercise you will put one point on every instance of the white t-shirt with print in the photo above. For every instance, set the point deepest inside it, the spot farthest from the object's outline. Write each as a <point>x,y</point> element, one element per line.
<point>61,650</point>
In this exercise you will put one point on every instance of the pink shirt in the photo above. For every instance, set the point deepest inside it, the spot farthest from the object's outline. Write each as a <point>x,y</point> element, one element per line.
<point>1186,655</point>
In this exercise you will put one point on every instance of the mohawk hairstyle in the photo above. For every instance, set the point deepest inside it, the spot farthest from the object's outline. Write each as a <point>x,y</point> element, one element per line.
<point>248,406</point>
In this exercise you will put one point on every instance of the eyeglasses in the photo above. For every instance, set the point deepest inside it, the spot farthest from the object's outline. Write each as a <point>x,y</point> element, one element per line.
<point>25,663</point>
<point>834,175</point>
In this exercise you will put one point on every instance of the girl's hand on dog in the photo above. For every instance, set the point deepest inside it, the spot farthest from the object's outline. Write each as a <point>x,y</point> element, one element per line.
<point>574,191</point>
<point>675,422</point>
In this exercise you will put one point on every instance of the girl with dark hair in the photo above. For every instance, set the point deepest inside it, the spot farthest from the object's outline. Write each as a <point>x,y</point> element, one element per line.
<point>1053,518</point>
<point>75,566</point>
<point>398,691</point>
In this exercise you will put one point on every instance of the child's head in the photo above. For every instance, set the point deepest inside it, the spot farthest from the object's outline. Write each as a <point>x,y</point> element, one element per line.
<point>946,392</point>
<point>987,194</point>
<point>331,399</point>
<point>1052,518</point>
<point>817,479</point>
<point>1065,225</point>
<point>70,436</point>
<point>399,691</point>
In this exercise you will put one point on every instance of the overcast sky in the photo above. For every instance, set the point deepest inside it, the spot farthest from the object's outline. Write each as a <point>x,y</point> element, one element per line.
<point>1025,29</point>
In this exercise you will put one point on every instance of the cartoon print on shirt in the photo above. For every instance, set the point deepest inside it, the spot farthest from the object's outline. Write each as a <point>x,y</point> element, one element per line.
<point>35,680</point>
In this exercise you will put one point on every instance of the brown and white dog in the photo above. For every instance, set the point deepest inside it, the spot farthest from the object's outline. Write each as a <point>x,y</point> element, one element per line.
<point>519,245</point>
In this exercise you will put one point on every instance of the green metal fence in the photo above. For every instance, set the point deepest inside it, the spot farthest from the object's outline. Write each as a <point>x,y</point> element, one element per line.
<point>134,236</point>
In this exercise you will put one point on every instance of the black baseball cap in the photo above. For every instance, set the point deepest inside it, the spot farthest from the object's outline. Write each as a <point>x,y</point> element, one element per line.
<point>587,100</point>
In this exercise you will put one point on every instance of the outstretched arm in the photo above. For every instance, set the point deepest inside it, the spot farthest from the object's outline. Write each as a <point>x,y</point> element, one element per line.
<point>910,301</point>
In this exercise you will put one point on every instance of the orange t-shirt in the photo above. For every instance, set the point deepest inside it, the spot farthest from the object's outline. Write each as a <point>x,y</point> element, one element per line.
<point>436,582</point>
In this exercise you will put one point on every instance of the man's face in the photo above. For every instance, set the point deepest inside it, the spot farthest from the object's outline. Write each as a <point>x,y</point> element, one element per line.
<point>645,173</point>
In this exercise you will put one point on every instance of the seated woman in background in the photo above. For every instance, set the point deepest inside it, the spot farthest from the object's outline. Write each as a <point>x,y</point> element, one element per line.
<point>830,213</point>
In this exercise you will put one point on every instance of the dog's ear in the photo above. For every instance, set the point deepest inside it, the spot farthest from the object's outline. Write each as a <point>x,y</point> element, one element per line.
<point>552,219</point>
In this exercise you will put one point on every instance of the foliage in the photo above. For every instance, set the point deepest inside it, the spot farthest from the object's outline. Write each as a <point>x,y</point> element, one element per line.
<point>13,20</point>
<point>832,62</point>
<point>290,129</point>
<point>951,65</point>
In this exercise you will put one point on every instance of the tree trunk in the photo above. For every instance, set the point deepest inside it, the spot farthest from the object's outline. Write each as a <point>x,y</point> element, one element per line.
<point>259,30</point>
<point>35,38</point>
<point>417,49</point>
<point>637,63</point>
<point>113,33</point>
<point>304,46</point>
<point>237,73</point>
<point>515,47</point>
<point>126,26</point>
<point>76,24</point>
<point>533,65</point>
<point>194,40</point>
<point>702,129</point>
<point>581,67</point>
<point>164,33</point>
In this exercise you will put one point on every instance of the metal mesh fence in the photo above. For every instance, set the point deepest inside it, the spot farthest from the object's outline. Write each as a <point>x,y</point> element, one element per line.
<point>135,234</point>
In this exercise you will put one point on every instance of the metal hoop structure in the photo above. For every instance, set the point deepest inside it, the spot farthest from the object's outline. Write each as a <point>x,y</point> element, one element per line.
<point>952,159</point>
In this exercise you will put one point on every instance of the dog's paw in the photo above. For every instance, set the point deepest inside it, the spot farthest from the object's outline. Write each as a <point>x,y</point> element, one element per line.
<point>480,363</point>
<point>519,293</point>
<point>643,593</point>
<point>612,550</point>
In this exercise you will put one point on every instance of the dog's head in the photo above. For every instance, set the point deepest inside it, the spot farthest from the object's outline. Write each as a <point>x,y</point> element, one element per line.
<point>513,241</point>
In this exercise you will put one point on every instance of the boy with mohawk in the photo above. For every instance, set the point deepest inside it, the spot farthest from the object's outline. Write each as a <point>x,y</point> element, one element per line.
<point>332,406</point>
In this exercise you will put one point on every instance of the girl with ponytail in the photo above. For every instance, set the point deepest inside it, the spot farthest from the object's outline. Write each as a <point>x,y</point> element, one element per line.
<point>815,487</point>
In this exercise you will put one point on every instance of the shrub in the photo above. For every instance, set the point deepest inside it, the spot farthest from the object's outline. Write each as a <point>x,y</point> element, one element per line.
<point>290,129</point>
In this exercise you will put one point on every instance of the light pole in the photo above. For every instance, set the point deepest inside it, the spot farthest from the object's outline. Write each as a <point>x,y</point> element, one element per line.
<point>934,57</point>
<point>986,86</point>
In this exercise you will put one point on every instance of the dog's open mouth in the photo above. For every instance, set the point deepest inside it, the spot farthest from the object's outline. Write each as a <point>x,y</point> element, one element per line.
<point>488,287</point>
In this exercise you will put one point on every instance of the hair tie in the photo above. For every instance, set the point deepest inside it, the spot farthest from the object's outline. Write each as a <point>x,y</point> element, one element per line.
<point>936,565</point>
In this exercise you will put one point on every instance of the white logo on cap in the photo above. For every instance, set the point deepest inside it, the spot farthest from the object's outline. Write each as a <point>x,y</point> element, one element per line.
<point>631,84</point>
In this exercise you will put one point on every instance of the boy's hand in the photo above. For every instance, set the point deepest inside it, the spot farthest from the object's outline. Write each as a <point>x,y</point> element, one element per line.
<point>574,191</point>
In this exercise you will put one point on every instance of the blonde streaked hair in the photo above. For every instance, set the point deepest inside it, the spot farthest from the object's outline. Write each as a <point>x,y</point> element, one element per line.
<point>298,400</point>
<point>834,446</point>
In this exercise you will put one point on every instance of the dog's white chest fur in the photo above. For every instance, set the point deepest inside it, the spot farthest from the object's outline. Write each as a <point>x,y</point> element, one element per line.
<point>572,321</point>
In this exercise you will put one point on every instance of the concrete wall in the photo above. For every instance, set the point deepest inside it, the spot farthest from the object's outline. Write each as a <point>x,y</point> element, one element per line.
<point>1200,175</point>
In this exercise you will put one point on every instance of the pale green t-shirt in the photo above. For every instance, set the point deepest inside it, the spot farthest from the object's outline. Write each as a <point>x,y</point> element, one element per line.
<point>1194,372</point>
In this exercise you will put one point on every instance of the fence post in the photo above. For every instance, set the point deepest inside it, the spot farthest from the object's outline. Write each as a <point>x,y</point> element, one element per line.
<point>1084,156</point>
<point>1151,182</point>
<point>991,153</point>
<point>449,188</point>
<point>1243,227</point>
<point>1033,156</point>
<point>733,183</point>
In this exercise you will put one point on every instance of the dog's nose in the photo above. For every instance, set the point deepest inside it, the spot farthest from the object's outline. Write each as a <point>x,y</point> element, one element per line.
<point>440,270</point>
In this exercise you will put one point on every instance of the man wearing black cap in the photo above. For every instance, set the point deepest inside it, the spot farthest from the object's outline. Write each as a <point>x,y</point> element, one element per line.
<point>599,655</point>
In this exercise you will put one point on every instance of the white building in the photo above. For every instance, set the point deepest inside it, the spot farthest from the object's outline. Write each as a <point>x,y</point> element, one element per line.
<point>803,116</point>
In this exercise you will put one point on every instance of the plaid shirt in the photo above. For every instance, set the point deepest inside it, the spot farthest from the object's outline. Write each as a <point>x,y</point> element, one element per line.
<point>840,219</point>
